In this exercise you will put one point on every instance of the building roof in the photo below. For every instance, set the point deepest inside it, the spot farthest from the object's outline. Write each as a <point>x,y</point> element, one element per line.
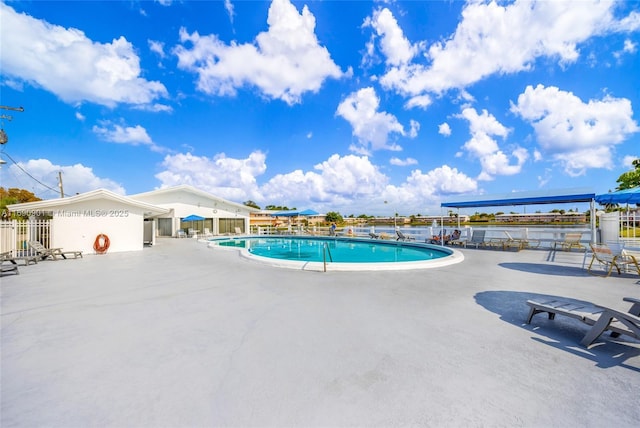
<point>184,188</point>
<point>98,194</point>
<point>523,198</point>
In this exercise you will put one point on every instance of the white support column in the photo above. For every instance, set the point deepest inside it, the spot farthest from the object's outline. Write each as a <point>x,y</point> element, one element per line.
<point>593,221</point>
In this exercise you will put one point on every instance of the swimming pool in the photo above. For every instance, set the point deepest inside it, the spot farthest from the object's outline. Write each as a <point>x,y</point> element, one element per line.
<point>311,253</point>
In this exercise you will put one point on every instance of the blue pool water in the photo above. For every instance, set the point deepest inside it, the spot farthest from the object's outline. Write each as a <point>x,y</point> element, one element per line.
<point>337,250</point>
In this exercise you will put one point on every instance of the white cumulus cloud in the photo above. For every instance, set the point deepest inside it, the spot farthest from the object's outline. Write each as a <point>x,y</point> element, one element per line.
<point>76,178</point>
<point>394,45</point>
<point>67,63</point>
<point>229,178</point>
<point>403,162</point>
<point>339,180</point>
<point>157,47</point>
<point>494,38</point>
<point>580,135</point>
<point>444,129</point>
<point>339,183</point>
<point>370,126</point>
<point>133,135</point>
<point>284,62</point>
<point>494,161</point>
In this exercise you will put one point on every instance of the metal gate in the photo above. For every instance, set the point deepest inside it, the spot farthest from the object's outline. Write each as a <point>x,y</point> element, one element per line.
<point>16,234</point>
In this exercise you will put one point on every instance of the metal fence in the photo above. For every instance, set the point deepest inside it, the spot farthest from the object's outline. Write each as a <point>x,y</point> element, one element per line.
<point>15,235</point>
<point>630,224</point>
<point>630,228</point>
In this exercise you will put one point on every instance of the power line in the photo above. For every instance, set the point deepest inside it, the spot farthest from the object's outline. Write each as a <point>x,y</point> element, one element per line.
<point>31,176</point>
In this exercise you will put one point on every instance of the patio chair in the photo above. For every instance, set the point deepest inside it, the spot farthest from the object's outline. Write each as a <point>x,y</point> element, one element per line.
<point>604,255</point>
<point>571,240</point>
<point>402,237</point>
<point>599,318</point>
<point>238,231</point>
<point>374,235</point>
<point>460,240</point>
<point>503,243</point>
<point>54,253</point>
<point>436,239</point>
<point>26,258</point>
<point>511,242</point>
<point>631,258</point>
<point>477,239</point>
<point>520,243</point>
<point>8,264</point>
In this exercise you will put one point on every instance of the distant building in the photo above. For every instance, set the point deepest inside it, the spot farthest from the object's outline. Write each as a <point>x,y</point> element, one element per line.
<point>265,218</point>
<point>429,219</point>
<point>567,217</point>
<point>389,220</point>
<point>262,218</point>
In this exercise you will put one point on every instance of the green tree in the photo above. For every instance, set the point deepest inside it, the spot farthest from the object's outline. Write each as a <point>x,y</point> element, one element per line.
<point>333,217</point>
<point>251,204</point>
<point>631,178</point>
<point>14,195</point>
<point>278,208</point>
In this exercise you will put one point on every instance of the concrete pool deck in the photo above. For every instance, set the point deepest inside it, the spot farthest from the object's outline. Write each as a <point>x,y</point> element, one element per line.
<point>180,335</point>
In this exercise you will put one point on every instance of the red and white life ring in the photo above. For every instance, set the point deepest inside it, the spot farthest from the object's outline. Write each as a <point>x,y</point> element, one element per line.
<point>101,244</point>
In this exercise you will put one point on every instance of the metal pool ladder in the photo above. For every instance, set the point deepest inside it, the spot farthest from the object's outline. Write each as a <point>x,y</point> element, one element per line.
<point>325,250</point>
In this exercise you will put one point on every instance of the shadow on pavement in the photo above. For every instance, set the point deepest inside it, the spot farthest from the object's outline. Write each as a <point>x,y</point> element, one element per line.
<point>562,333</point>
<point>545,269</point>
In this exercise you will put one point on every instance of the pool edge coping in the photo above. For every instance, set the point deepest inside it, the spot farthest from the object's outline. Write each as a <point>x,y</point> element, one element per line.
<point>454,257</point>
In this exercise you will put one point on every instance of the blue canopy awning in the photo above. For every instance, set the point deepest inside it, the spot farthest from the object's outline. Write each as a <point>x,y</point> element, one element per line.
<point>193,217</point>
<point>523,198</point>
<point>294,213</point>
<point>309,212</point>
<point>627,196</point>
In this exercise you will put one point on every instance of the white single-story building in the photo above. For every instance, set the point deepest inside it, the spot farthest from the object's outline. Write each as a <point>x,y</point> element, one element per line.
<point>132,221</point>
<point>220,216</point>
<point>77,221</point>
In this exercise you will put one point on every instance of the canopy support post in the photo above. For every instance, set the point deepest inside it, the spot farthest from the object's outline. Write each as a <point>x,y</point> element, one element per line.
<point>593,221</point>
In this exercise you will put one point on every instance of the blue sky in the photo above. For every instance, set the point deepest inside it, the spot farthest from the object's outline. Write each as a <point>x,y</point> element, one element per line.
<point>357,107</point>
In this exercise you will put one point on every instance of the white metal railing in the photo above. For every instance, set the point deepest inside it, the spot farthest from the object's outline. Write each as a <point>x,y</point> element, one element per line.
<point>545,235</point>
<point>16,234</point>
<point>629,225</point>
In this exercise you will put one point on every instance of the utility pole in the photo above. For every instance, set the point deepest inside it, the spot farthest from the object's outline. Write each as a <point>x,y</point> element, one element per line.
<point>60,184</point>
